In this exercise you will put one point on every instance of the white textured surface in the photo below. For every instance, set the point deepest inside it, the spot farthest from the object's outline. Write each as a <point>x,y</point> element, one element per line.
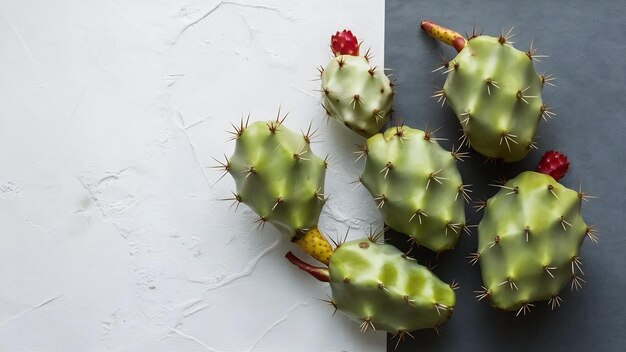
<point>112,236</point>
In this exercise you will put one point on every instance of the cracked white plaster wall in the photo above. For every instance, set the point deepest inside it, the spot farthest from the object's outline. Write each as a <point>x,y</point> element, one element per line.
<point>113,235</point>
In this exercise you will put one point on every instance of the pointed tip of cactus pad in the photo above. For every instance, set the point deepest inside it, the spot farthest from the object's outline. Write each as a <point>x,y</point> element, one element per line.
<point>344,43</point>
<point>554,164</point>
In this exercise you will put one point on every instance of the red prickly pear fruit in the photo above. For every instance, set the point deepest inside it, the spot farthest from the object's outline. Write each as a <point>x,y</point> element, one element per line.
<point>554,164</point>
<point>344,43</point>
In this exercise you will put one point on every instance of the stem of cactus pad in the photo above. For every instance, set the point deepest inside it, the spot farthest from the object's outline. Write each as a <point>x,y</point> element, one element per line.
<point>319,273</point>
<point>554,164</point>
<point>316,245</point>
<point>444,34</point>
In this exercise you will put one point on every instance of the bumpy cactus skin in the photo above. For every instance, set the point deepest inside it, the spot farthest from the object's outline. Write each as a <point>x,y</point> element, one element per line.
<point>496,94</point>
<point>529,242</point>
<point>357,94</point>
<point>416,185</point>
<point>377,286</point>
<point>278,176</point>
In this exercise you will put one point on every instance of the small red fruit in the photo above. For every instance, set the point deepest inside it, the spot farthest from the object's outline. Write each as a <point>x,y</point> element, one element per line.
<point>554,164</point>
<point>344,43</point>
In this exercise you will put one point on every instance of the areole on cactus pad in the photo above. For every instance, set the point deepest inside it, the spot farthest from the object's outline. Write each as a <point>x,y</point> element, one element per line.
<point>355,92</point>
<point>529,239</point>
<point>495,92</point>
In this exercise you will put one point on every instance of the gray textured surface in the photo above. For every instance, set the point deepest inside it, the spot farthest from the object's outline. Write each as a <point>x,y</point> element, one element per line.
<point>586,44</point>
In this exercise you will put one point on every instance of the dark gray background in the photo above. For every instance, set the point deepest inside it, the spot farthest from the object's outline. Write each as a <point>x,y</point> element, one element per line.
<point>586,42</point>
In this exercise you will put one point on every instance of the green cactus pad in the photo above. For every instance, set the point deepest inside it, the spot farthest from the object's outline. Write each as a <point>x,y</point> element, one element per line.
<point>496,94</point>
<point>377,286</point>
<point>357,94</point>
<point>529,241</point>
<point>416,185</point>
<point>278,176</point>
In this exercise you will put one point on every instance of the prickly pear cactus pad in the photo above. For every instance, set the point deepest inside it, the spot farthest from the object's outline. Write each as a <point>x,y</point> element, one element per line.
<point>494,91</point>
<point>381,288</point>
<point>355,92</point>
<point>529,241</point>
<point>416,185</point>
<point>378,287</point>
<point>278,177</point>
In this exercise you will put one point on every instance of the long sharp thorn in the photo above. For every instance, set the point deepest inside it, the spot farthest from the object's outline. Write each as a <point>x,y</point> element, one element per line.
<point>441,306</point>
<point>508,137</point>
<point>452,226</point>
<point>278,201</point>
<point>458,155</point>
<point>331,303</point>
<point>444,64</point>
<point>482,294</point>
<point>592,234</point>
<point>473,258</point>
<point>450,69</point>
<point>335,243</point>
<point>401,335</point>
<point>362,151</point>
<point>511,283</point>
<point>466,228</point>
<point>501,186</point>
<point>547,79</point>
<point>576,261</point>
<point>380,201</point>
<point>583,195</point>
<point>480,204</point>
<point>577,282</point>
<point>546,112</point>
<point>437,330</point>
<point>441,96</point>
<point>464,139</point>
<point>419,213</point>
<point>320,196</point>
<point>555,302</point>
<point>524,309</point>
<point>376,236</point>
<point>345,237</point>
<point>467,116</point>
<point>260,222</point>
<point>547,270</point>
<point>309,135</point>
<point>236,200</point>
<point>358,182</point>
<point>564,222</point>
<point>464,191</point>
<point>366,324</point>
